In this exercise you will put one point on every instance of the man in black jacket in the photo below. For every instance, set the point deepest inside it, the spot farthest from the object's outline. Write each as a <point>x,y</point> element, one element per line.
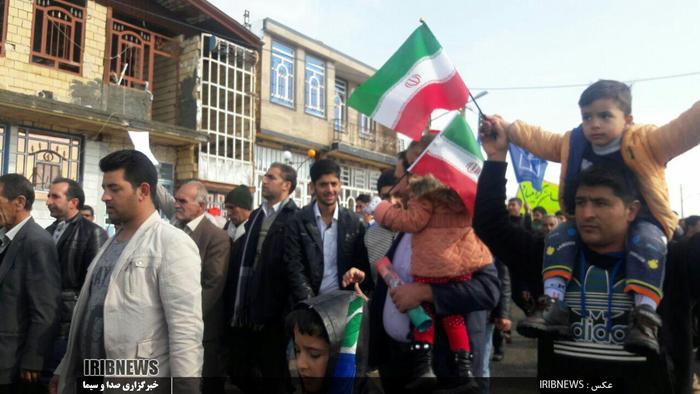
<point>77,241</point>
<point>324,240</point>
<point>257,290</point>
<point>30,287</point>
<point>523,252</point>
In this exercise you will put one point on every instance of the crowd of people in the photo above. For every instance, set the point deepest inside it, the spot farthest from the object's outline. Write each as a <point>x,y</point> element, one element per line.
<point>411,284</point>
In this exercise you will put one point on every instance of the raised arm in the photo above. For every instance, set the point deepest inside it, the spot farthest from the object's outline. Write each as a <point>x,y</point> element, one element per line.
<point>411,220</point>
<point>543,144</point>
<point>676,137</point>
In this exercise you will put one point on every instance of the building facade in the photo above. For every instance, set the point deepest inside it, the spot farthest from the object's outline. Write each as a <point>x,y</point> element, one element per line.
<point>304,89</point>
<point>77,75</point>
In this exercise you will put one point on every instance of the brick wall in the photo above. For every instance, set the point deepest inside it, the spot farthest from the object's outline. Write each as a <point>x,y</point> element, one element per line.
<point>21,76</point>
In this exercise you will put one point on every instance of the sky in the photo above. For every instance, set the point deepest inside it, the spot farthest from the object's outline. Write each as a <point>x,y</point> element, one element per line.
<point>501,45</point>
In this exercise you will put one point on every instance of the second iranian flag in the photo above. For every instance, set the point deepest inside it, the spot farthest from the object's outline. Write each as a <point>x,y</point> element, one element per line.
<point>415,81</point>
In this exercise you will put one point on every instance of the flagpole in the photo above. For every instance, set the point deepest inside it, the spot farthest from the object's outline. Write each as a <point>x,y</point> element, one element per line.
<point>481,113</point>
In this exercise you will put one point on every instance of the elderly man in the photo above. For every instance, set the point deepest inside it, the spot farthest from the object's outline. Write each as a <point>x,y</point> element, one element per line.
<point>30,288</point>
<point>142,296</point>
<point>214,248</point>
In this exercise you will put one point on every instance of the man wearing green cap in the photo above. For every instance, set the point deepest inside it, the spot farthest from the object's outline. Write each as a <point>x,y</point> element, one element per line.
<point>238,204</point>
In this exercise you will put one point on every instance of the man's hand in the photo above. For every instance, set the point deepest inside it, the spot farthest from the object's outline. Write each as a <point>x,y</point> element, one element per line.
<point>503,324</point>
<point>494,139</point>
<point>410,295</point>
<point>30,376</point>
<point>353,275</point>
<point>53,385</point>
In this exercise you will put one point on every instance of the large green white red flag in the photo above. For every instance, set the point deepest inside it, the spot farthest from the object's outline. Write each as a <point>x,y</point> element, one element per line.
<point>454,157</point>
<point>415,81</point>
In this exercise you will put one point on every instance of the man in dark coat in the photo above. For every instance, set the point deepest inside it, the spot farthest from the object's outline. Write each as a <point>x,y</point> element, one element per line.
<point>30,287</point>
<point>77,242</point>
<point>257,291</point>
<point>324,240</point>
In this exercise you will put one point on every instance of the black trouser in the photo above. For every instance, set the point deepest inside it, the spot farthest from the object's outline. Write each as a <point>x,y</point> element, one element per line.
<point>258,359</point>
<point>395,373</point>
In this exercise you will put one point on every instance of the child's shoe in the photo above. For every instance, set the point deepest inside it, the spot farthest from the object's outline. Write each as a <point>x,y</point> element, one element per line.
<point>550,319</point>
<point>642,331</point>
<point>463,381</point>
<point>422,376</point>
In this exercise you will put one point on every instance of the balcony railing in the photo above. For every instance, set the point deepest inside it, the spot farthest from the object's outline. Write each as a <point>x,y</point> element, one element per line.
<point>132,53</point>
<point>351,134</point>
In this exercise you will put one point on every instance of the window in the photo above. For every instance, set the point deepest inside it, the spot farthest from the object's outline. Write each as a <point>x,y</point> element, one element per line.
<point>366,127</point>
<point>166,177</point>
<point>43,157</point>
<point>3,24</point>
<point>315,84</point>
<point>227,112</point>
<point>282,75</point>
<point>57,37</point>
<point>339,105</point>
<point>132,54</point>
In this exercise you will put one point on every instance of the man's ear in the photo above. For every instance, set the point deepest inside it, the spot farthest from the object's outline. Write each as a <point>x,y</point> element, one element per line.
<point>632,210</point>
<point>21,201</point>
<point>629,119</point>
<point>144,190</point>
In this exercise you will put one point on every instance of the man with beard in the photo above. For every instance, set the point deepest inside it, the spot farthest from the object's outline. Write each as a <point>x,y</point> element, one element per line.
<point>324,240</point>
<point>142,297</point>
<point>77,241</point>
<point>258,292</point>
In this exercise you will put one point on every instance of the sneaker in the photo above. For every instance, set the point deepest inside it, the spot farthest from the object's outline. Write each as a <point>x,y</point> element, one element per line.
<point>422,375</point>
<point>642,331</point>
<point>550,319</point>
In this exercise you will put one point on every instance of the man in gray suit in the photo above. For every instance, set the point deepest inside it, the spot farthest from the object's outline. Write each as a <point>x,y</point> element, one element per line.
<point>30,287</point>
<point>214,249</point>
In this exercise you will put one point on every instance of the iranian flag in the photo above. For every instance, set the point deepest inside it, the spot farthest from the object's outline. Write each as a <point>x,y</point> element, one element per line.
<point>454,158</point>
<point>416,80</point>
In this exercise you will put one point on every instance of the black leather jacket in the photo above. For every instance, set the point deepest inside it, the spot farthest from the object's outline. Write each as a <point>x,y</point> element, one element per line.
<point>303,254</point>
<point>77,247</point>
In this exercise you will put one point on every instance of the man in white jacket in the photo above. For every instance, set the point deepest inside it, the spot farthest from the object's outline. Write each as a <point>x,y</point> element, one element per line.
<point>142,295</point>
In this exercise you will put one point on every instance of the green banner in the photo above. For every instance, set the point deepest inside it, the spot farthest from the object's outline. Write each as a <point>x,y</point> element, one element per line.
<point>547,198</point>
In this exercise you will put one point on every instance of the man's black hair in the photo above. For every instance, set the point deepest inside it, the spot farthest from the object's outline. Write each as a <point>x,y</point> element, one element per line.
<point>516,199</point>
<point>15,185</point>
<point>324,167</point>
<point>692,220</point>
<point>289,174</point>
<point>365,198</point>
<point>308,322</point>
<point>540,209</point>
<point>623,187</point>
<point>74,190</point>
<point>387,178</point>
<point>88,208</point>
<point>137,168</point>
<point>608,89</point>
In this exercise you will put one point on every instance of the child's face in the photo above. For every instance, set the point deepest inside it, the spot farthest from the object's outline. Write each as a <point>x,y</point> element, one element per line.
<point>312,355</point>
<point>603,121</point>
